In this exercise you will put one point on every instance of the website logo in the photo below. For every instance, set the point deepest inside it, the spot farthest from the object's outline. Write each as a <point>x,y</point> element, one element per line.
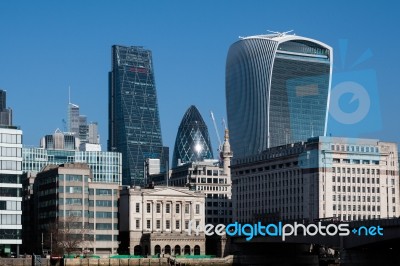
<point>283,230</point>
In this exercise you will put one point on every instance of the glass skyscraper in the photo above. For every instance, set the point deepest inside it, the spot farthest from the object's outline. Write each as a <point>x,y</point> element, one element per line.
<point>277,91</point>
<point>192,142</point>
<point>134,124</point>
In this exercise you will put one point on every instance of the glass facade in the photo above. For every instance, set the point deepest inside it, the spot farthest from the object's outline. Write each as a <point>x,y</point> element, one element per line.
<point>106,167</point>
<point>192,142</point>
<point>277,90</point>
<point>10,189</point>
<point>134,124</point>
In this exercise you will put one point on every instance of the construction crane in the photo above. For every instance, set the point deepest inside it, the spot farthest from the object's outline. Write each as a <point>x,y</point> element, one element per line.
<point>216,130</point>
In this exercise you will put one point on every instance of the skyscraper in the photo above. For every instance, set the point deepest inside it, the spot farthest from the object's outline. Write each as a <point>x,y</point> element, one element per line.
<point>277,91</point>
<point>10,183</point>
<point>5,113</point>
<point>192,142</point>
<point>134,123</point>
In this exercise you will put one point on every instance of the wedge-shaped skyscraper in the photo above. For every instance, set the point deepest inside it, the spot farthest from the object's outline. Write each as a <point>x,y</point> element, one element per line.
<point>134,123</point>
<point>277,91</point>
<point>192,142</point>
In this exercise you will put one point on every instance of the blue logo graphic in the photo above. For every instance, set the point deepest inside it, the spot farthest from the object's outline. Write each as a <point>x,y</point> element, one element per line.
<point>354,101</point>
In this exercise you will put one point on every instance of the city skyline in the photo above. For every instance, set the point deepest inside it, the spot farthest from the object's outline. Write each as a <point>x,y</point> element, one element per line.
<point>190,59</point>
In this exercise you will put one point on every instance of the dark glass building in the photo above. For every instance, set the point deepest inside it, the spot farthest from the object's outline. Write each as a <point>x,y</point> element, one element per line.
<point>134,124</point>
<point>192,142</point>
<point>5,113</point>
<point>277,91</point>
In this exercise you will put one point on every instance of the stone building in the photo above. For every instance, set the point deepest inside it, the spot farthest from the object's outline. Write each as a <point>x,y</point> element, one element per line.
<point>158,221</point>
<point>345,179</point>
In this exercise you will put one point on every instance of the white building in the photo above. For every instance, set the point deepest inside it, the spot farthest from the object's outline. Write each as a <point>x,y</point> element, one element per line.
<point>212,179</point>
<point>10,189</point>
<point>159,219</point>
<point>325,177</point>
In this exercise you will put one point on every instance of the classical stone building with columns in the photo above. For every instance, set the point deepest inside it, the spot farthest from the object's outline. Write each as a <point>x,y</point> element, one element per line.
<point>156,221</point>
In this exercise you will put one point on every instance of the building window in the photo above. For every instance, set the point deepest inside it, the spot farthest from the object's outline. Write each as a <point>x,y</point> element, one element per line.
<point>137,207</point>
<point>148,208</point>
<point>197,208</point>
<point>158,224</point>
<point>137,223</point>
<point>148,222</point>
<point>186,224</point>
<point>187,208</point>
<point>177,224</point>
<point>167,224</point>
<point>158,207</point>
<point>177,208</point>
<point>167,208</point>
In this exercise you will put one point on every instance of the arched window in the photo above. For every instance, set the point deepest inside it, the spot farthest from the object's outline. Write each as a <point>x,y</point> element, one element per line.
<point>177,250</point>
<point>137,250</point>
<point>196,250</point>
<point>157,250</point>
<point>186,250</point>
<point>167,249</point>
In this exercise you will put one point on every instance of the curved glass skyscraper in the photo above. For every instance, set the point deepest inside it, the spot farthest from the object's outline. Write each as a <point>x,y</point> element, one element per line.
<point>192,140</point>
<point>277,91</point>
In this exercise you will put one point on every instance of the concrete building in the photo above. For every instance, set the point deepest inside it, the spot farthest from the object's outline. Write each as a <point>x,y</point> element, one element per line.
<point>10,189</point>
<point>79,215</point>
<point>159,220</point>
<point>325,177</point>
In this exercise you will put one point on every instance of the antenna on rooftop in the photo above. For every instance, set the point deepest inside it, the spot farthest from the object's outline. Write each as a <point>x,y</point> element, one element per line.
<point>69,94</point>
<point>279,33</point>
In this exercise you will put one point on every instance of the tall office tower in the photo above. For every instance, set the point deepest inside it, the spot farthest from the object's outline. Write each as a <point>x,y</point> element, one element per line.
<point>10,188</point>
<point>192,142</point>
<point>5,113</point>
<point>134,124</point>
<point>277,91</point>
<point>73,120</point>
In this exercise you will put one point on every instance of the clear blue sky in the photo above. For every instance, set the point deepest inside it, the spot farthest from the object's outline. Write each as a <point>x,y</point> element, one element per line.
<point>46,46</point>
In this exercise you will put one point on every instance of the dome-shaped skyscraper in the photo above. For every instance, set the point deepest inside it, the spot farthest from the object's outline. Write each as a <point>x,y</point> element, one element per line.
<point>192,140</point>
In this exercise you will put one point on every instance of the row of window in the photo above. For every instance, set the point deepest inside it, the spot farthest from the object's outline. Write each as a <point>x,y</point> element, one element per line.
<point>10,205</point>
<point>358,208</point>
<point>354,148</point>
<point>167,224</point>
<point>10,152</point>
<point>168,208</point>
<point>353,179</point>
<point>355,161</point>
<point>91,214</point>
<point>359,198</point>
<point>11,165</point>
<point>359,171</point>
<point>10,192</point>
<point>14,219</point>
<point>10,138</point>
<point>7,178</point>
<point>360,189</point>
<point>212,188</point>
